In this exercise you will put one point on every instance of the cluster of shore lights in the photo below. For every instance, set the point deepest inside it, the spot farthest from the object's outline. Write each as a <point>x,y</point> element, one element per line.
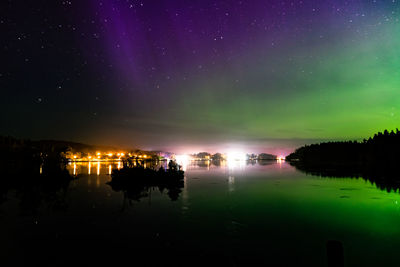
<point>107,156</point>
<point>230,157</point>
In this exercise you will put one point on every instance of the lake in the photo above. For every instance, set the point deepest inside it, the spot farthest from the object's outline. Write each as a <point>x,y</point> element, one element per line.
<point>235,214</point>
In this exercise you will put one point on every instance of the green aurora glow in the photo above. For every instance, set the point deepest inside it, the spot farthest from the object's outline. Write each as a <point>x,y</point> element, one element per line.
<point>343,90</point>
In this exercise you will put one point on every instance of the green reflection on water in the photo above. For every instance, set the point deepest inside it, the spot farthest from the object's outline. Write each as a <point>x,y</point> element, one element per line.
<point>268,213</point>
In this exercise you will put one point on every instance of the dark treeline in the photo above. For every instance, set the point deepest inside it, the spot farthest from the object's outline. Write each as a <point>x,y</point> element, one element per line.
<point>375,159</point>
<point>36,187</point>
<point>20,153</point>
<point>382,148</point>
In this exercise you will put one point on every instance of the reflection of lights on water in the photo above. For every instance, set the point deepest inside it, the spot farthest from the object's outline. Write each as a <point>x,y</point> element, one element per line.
<point>280,160</point>
<point>231,183</point>
<point>182,160</point>
<point>109,169</point>
<point>119,165</point>
<point>41,169</point>
<point>74,168</point>
<point>98,168</point>
<point>90,166</point>
<point>232,164</point>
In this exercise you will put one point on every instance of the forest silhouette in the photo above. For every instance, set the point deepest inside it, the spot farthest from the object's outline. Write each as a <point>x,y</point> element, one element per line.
<point>375,159</point>
<point>381,148</point>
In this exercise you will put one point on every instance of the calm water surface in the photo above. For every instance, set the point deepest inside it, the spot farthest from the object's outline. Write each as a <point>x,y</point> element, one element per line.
<point>235,215</point>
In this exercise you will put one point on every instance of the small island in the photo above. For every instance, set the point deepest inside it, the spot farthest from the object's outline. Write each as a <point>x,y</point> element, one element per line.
<point>135,180</point>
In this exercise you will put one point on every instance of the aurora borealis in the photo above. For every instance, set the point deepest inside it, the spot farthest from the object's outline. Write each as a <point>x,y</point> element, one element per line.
<point>200,75</point>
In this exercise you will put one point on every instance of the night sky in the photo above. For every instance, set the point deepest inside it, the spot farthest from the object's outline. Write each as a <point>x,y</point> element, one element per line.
<point>199,74</point>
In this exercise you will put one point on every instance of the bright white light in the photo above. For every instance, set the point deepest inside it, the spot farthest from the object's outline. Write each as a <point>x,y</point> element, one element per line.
<point>182,160</point>
<point>236,159</point>
<point>236,156</point>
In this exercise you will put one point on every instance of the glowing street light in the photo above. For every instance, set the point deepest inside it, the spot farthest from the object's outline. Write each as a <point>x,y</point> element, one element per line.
<point>182,160</point>
<point>236,159</point>
<point>236,156</point>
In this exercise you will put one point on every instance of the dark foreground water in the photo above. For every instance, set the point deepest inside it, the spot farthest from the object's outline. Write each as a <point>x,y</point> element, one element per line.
<point>236,215</point>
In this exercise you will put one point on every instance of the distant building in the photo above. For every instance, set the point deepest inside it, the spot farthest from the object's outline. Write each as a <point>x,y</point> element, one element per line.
<point>218,157</point>
<point>265,156</point>
<point>251,157</point>
<point>202,156</point>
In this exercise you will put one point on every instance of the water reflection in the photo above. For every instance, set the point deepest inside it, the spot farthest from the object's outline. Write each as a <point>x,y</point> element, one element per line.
<point>49,186</point>
<point>231,182</point>
<point>139,182</point>
<point>259,212</point>
<point>101,167</point>
<point>104,167</point>
<point>382,177</point>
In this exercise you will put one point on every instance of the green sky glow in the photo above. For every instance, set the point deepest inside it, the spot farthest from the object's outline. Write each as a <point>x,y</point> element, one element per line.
<point>346,89</point>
